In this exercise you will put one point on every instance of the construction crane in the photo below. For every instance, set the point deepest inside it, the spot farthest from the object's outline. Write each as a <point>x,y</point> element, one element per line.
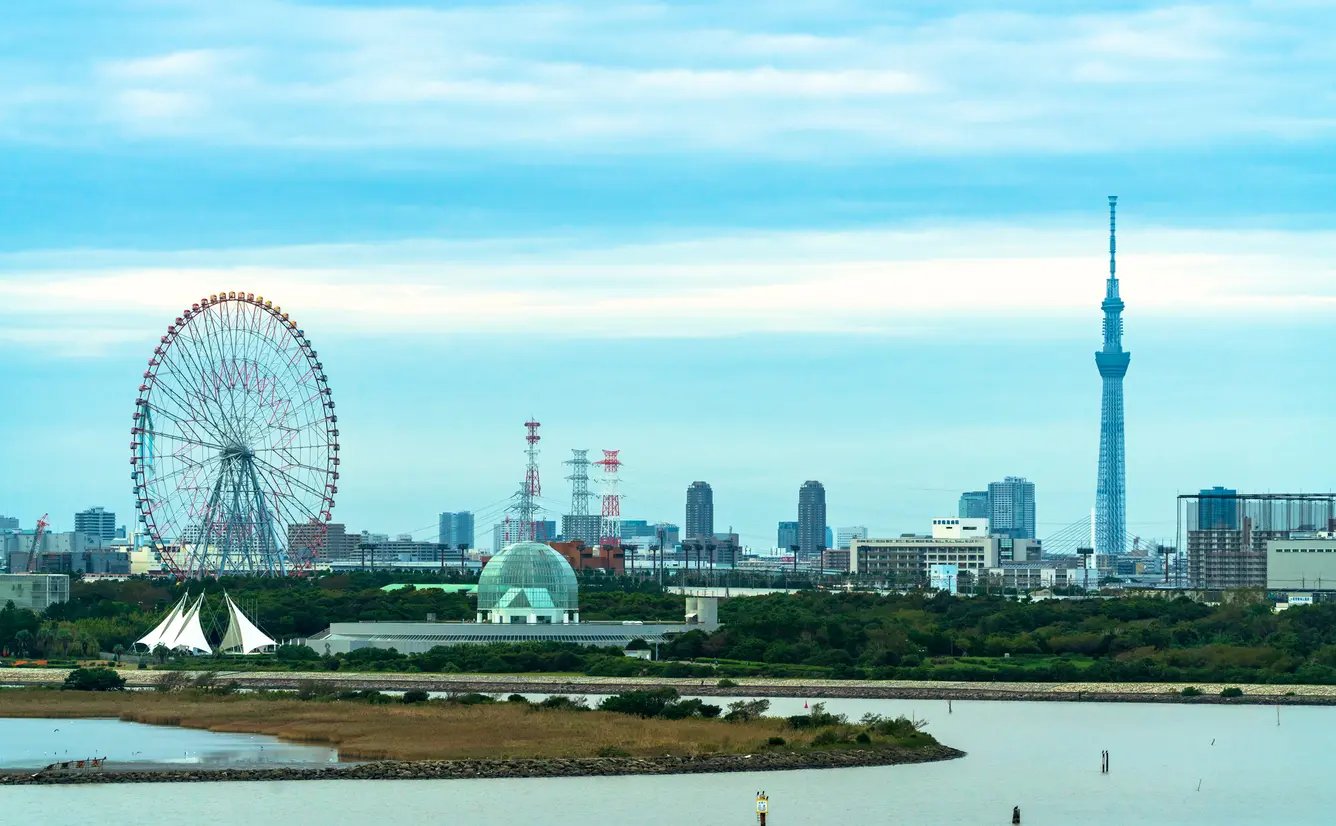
<point>36,543</point>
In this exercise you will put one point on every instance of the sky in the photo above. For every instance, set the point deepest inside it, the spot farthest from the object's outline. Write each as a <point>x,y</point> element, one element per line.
<point>755,244</point>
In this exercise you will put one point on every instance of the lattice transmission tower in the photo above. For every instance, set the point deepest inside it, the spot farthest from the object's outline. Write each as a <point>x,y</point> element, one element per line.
<point>611,533</point>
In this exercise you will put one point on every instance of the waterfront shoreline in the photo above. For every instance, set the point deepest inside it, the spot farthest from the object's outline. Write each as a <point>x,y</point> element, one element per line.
<point>496,769</point>
<point>1253,694</point>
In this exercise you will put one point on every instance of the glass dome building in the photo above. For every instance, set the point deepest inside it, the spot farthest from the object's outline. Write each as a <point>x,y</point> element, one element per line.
<point>528,582</point>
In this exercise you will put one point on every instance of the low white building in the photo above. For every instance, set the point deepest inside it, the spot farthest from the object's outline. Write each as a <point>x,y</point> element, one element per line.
<point>1301,564</point>
<point>35,592</point>
<point>906,560</point>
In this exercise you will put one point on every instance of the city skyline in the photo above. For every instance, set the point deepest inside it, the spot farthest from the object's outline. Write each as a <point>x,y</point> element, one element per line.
<point>801,199</point>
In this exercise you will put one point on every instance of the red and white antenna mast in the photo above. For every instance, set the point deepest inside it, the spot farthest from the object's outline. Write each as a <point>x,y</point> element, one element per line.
<point>611,532</point>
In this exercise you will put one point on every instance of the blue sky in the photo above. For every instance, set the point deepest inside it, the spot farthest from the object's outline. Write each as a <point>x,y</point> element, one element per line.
<point>851,241</point>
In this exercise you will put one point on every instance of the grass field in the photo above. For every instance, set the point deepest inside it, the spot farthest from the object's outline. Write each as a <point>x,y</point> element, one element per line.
<point>431,731</point>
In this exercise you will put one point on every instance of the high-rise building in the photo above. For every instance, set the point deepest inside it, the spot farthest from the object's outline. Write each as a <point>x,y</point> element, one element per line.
<point>96,523</point>
<point>700,512</point>
<point>582,526</point>
<point>811,518</point>
<point>845,536</point>
<point>545,530</point>
<point>787,536</point>
<point>9,523</point>
<point>1112,361</point>
<point>323,544</point>
<point>1218,509</point>
<point>1011,508</point>
<point>974,505</point>
<point>456,529</point>
<point>830,538</point>
<point>634,528</point>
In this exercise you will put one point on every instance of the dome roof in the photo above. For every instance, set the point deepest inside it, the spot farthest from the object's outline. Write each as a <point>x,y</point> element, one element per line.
<point>528,575</point>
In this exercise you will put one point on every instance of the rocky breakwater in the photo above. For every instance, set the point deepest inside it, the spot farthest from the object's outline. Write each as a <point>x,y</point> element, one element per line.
<point>773,760</point>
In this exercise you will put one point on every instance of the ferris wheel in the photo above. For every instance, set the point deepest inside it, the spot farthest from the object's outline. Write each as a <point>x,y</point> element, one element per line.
<point>235,442</point>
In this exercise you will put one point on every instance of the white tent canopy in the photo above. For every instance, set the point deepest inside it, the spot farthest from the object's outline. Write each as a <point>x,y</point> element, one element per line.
<point>180,630</point>
<point>242,636</point>
<point>163,630</point>
<point>190,635</point>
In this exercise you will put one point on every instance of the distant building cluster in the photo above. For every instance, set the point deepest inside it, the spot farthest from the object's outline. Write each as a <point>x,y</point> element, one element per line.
<point>96,546</point>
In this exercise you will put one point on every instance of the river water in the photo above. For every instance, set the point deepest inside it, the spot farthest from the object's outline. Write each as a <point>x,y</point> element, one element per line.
<point>1170,764</point>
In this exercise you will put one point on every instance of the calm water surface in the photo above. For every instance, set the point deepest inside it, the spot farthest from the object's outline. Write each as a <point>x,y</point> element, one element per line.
<point>1043,757</point>
<point>30,743</point>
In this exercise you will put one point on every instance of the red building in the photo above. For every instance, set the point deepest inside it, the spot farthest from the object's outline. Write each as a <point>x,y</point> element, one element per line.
<point>584,558</point>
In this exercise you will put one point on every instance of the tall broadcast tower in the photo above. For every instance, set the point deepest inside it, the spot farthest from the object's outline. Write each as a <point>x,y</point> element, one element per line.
<point>1112,360</point>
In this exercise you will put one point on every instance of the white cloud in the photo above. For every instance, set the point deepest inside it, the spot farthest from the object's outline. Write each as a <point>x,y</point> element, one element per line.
<point>865,78</point>
<point>905,283</point>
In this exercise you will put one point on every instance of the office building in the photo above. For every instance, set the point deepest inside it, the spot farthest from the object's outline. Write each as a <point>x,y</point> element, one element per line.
<point>1218,509</point>
<point>811,519</point>
<point>9,523</point>
<point>1307,564</point>
<point>953,527</point>
<point>582,528</point>
<point>835,559</point>
<point>1056,573</point>
<point>96,523</point>
<point>34,592</point>
<point>787,536</point>
<point>906,561</point>
<point>1011,509</point>
<point>1225,559</point>
<point>974,505</point>
<point>456,529</point>
<point>323,544</point>
<point>1221,558</point>
<point>700,512</point>
<point>830,538</point>
<point>845,536</point>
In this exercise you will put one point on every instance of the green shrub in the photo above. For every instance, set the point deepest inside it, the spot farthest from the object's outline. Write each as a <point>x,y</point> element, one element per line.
<point>640,703</point>
<point>415,696</point>
<point>775,741</point>
<point>726,683</point>
<point>560,702</point>
<point>473,698</point>
<point>1232,691</point>
<point>825,738</point>
<point>518,698</point>
<point>1191,691</point>
<point>612,751</point>
<point>93,679</point>
<point>862,738</point>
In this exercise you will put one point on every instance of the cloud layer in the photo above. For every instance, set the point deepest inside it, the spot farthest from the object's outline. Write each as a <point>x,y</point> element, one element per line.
<point>787,77</point>
<point>904,283</point>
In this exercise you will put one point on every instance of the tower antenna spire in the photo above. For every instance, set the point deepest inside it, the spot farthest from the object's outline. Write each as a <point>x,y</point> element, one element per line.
<point>1113,235</point>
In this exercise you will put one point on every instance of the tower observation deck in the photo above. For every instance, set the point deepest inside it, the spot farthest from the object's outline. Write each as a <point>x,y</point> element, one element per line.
<point>1112,361</point>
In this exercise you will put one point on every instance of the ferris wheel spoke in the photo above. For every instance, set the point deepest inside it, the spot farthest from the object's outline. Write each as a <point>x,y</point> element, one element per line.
<point>184,405</point>
<point>289,477</point>
<point>160,434</point>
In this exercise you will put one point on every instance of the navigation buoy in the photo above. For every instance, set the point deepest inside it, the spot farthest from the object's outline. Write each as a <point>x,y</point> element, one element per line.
<point>804,704</point>
<point>762,807</point>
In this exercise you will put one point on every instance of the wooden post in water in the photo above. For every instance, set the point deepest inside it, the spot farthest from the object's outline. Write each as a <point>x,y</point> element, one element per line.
<point>1016,814</point>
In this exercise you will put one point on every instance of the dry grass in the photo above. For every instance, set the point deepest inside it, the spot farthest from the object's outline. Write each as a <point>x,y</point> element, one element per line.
<point>434,731</point>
